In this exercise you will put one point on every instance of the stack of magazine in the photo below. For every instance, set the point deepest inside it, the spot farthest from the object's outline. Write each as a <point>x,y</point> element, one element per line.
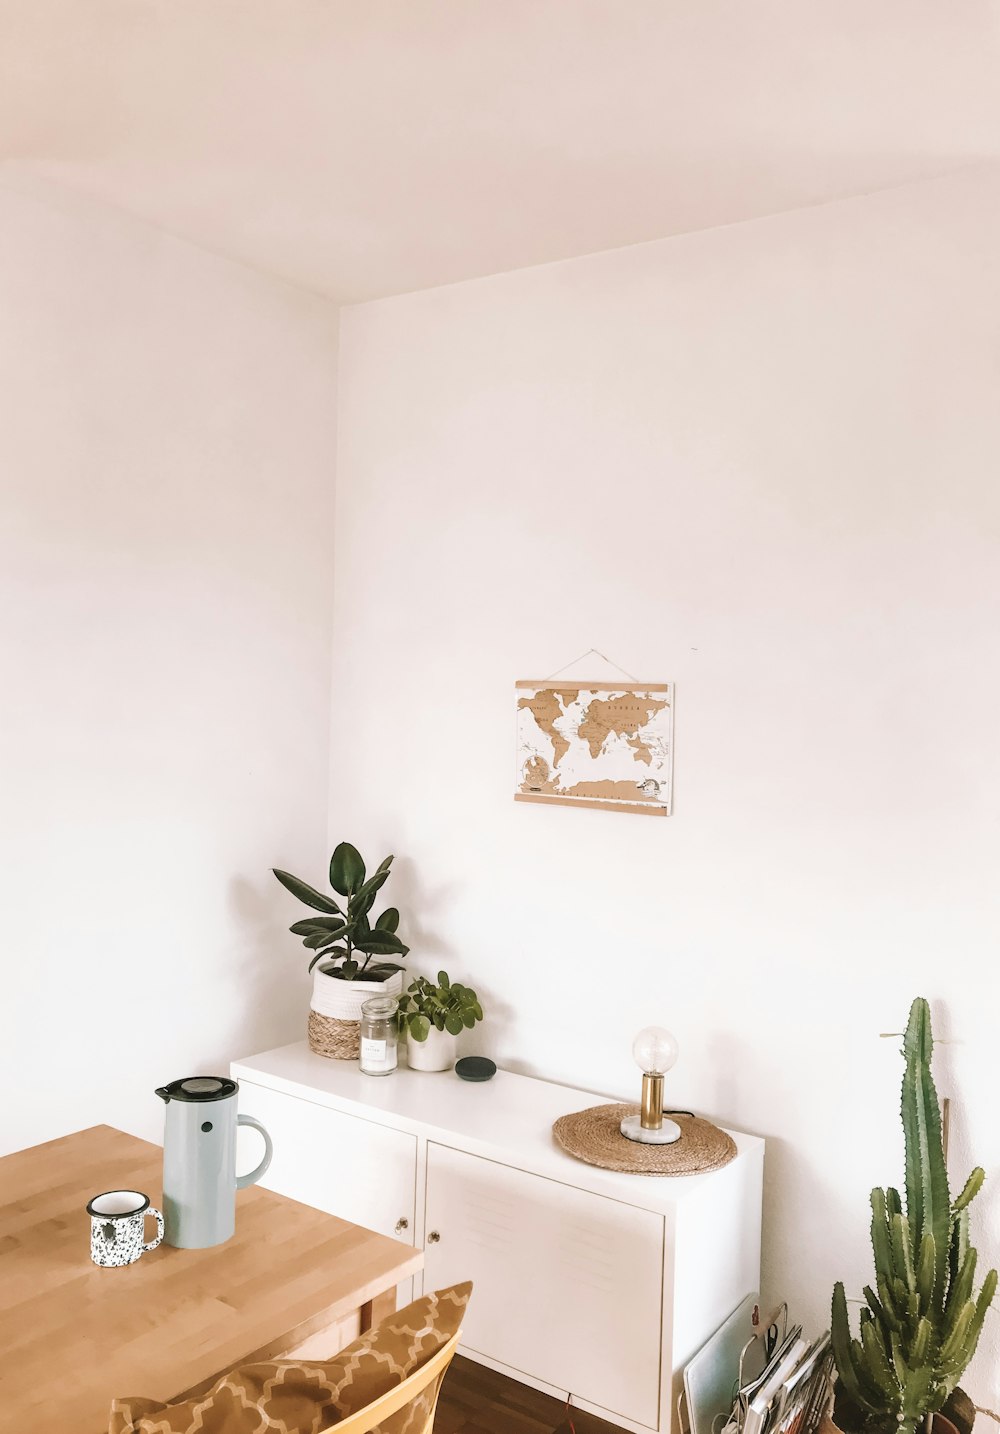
<point>793,1392</point>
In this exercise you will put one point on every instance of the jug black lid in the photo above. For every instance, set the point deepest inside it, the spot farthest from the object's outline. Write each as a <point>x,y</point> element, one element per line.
<point>198,1088</point>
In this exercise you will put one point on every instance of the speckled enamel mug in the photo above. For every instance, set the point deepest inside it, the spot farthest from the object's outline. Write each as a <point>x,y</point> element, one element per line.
<point>118,1227</point>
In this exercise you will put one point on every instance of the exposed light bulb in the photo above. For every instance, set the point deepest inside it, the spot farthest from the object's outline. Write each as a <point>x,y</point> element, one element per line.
<point>654,1050</point>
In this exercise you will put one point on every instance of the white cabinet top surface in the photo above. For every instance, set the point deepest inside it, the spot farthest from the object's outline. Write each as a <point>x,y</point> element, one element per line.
<point>508,1118</point>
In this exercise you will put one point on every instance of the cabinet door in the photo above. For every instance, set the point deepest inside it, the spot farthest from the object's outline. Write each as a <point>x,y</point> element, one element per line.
<point>340,1163</point>
<point>568,1284</point>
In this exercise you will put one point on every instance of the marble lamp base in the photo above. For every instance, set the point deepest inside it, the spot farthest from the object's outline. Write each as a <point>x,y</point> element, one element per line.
<point>631,1127</point>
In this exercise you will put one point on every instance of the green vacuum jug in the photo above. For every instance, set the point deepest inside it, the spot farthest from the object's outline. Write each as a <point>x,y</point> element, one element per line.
<point>199,1160</point>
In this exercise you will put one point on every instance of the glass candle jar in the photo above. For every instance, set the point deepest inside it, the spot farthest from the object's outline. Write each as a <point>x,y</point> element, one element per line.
<point>378,1035</point>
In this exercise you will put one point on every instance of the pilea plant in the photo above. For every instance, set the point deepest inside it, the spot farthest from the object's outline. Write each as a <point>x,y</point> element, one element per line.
<point>343,938</point>
<point>447,1006</point>
<point>922,1321</point>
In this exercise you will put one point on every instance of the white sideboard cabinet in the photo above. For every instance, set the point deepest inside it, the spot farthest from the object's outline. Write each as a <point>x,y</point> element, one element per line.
<point>587,1282</point>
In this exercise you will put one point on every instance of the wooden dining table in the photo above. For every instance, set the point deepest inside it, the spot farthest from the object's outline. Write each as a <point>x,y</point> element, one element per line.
<point>74,1336</point>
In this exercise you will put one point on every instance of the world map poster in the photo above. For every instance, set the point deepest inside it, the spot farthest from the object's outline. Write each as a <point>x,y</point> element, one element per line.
<point>596,744</point>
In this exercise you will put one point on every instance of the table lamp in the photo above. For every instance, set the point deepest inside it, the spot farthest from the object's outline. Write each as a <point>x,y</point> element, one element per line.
<point>654,1051</point>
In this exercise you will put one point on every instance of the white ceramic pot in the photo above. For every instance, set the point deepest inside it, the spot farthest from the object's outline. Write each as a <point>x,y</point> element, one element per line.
<point>343,999</point>
<point>437,1053</point>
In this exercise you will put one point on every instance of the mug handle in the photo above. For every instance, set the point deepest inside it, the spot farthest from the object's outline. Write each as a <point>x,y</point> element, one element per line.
<point>159,1229</point>
<point>242,1181</point>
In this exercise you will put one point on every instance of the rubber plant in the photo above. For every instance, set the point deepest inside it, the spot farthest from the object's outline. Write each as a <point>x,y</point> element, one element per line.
<point>343,937</point>
<point>447,1006</point>
<point>921,1323</point>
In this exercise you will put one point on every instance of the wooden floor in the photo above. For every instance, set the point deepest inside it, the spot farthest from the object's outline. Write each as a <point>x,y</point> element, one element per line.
<point>477,1400</point>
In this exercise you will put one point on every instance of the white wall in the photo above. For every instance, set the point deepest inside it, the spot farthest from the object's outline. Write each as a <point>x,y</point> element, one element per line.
<point>760,462</point>
<point>166,459</point>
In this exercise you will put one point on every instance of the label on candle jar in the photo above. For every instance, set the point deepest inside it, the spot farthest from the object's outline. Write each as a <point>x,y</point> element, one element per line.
<point>373,1052</point>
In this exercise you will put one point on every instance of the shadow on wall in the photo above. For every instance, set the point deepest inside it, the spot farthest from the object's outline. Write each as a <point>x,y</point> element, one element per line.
<point>792,1181</point>
<point>411,894</point>
<point>270,971</point>
<point>727,1056</point>
<point>429,954</point>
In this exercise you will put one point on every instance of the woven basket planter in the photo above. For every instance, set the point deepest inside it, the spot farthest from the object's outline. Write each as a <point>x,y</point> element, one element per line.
<point>335,1013</point>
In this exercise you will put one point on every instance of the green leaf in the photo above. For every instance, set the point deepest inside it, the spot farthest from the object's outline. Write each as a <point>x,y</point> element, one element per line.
<point>928,1204</point>
<point>389,920</point>
<point>371,886</point>
<point>959,1243</point>
<point>453,1024</point>
<point>879,1368</point>
<point>468,1020</point>
<point>323,938</point>
<point>896,1354</point>
<point>332,954</point>
<point>879,1310</point>
<point>961,1290</point>
<point>359,906</point>
<point>915,1394</point>
<point>306,893</point>
<point>347,870</point>
<point>889,1302</point>
<point>984,1302</point>
<point>902,1254</point>
<point>420,1027</point>
<point>349,968</point>
<point>314,924</point>
<point>921,1346</point>
<point>958,1330</point>
<point>846,1357</point>
<point>443,981</point>
<point>379,969</point>
<point>881,1246</point>
<point>925,1271</point>
<point>381,943</point>
<point>970,1190</point>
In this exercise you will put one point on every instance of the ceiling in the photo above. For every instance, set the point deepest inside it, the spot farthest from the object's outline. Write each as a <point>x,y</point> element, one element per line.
<point>369,147</point>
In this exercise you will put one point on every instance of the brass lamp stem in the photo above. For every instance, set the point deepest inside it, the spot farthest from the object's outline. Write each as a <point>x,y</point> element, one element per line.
<point>651,1114</point>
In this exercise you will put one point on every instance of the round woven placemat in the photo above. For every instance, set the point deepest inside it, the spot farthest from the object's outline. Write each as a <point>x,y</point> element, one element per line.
<point>338,1040</point>
<point>594,1136</point>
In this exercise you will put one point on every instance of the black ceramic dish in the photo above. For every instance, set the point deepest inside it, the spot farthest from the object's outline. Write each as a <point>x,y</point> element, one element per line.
<point>475,1068</point>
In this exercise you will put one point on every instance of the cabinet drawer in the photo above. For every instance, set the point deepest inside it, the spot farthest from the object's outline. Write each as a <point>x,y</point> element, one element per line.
<point>347,1166</point>
<point>568,1284</point>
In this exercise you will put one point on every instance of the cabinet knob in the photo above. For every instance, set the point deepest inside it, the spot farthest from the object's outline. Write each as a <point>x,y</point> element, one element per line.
<point>432,1237</point>
<point>402,1224</point>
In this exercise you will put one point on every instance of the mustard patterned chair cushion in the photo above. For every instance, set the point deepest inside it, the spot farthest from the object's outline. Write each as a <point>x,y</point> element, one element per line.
<point>307,1396</point>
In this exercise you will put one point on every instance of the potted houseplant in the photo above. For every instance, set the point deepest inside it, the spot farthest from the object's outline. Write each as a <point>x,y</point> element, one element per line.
<point>922,1321</point>
<point>354,957</point>
<point>432,1016</point>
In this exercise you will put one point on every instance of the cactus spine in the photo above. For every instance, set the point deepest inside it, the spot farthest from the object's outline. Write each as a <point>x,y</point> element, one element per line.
<point>922,1321</point>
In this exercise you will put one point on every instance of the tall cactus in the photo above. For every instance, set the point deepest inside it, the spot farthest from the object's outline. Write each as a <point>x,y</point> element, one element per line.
<point>922,1322</point>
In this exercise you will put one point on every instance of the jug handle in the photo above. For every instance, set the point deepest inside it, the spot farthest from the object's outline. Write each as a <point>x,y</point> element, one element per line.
<point>242,1181</point>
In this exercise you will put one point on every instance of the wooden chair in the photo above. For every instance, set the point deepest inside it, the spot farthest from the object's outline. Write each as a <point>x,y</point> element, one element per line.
<point>431,1373</point>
